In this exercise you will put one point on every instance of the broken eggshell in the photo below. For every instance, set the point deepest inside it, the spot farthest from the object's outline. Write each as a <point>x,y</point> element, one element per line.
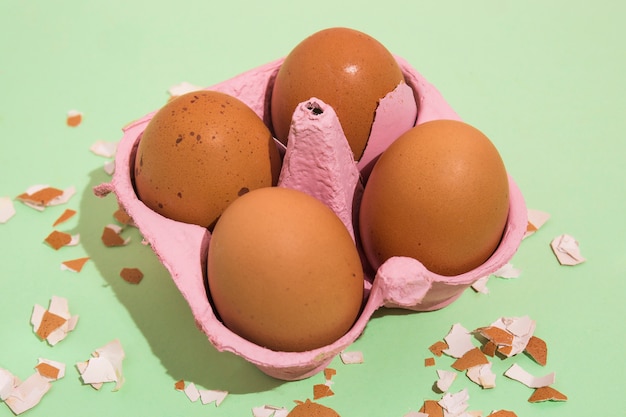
<point>319,162</point>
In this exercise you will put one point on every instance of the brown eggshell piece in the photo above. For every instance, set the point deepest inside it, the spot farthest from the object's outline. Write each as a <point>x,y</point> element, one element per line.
<point>312,409</point>
<point>199,153</point>
<point>348,69</point>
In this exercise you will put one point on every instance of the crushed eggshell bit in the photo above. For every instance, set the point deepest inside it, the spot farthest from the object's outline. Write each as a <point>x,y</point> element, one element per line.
<point>536,219</point>
<point>53,324</point>
<point>497,335</point>
<point>480,285</point>
<point>192,392</point>
<point>109,167</point>
<point>567,250</point>
<point>454,404</point>
<point>74,265</point>
<point>502,413</point>
<point>517,373</point>
<point>39,196</point>
<point>329,373</point>
<point>49,323</point>
<point>270,411</point>
<point>50,369</point>
<point>507,271</point>
<point>57,239</point>
<point>432,408</point>
<point>122,217</point>
<point>103,148</point>
<point>542,394</point>
<point>179,385</point>
<point>352,357</point>
<point>521,328</point>
<point>489,348</point>
<point>482,375</point>
<point>459,341</point>
<point>208,396</point>
<point>537,349</point>
<point>65,216</point>
<point>429,362</point>
<point>472,357</point>
<point>8,382</point>
<point>446,378</point>
<point>131,275</point>
<point>104,366</point>
<point>321,391</point>
<point>111,236</point>
<point>7,209</point>
<point>27,394</point>
<point>73,118</point>
<point>438,347</point>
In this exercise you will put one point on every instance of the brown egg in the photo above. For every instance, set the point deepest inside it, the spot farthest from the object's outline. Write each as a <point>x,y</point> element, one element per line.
<point>438,194</point>
<point>199,153</point>
<point>283,271</point>
<point>346,69</point>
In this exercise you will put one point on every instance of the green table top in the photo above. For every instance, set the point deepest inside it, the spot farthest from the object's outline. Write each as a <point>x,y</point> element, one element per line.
<point>544,80</point>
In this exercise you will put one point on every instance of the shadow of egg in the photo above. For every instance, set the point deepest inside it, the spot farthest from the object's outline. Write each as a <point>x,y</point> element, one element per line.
<point>156,306</point>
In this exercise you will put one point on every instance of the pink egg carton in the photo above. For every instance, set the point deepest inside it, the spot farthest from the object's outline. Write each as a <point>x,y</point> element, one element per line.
<point>318,161</point>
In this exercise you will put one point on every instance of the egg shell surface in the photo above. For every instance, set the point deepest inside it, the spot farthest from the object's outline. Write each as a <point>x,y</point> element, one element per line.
<point>348,69</point>
<point>438,194</point>
<point>283,271</point>
<point>199,153</point>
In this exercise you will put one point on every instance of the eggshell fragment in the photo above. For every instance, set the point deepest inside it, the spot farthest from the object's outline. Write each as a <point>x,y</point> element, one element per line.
<point>65,216</point>
<point>7,209</point>
<point>567,250</point>
<point>438,347</point>
<point>177,244</point>
<point>74,118</point>
<point>542,394</point>
<point>74,265</point>
<point>471,358</point>
<point>518,373</point>
<point>131,275</point>
<point>432,408</point>
<point>538,350</point>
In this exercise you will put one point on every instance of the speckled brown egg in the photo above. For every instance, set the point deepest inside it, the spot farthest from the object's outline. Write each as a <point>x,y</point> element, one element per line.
<point>199,153</point>
<point>283,271</point>
<point>345,68</point>
<point>438,194</point>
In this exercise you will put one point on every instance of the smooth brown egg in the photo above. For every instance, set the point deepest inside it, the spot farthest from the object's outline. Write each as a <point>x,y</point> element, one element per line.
<point>438,194</point>
<point>283,271</point>
<point>199,153</point>
<point>345,68</point>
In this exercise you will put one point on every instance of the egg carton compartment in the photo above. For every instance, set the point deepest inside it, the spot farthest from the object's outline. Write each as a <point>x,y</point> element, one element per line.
<point>318,161</point>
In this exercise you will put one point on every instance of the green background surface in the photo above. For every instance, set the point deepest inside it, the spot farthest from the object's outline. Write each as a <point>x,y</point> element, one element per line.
<point>543,79</point>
